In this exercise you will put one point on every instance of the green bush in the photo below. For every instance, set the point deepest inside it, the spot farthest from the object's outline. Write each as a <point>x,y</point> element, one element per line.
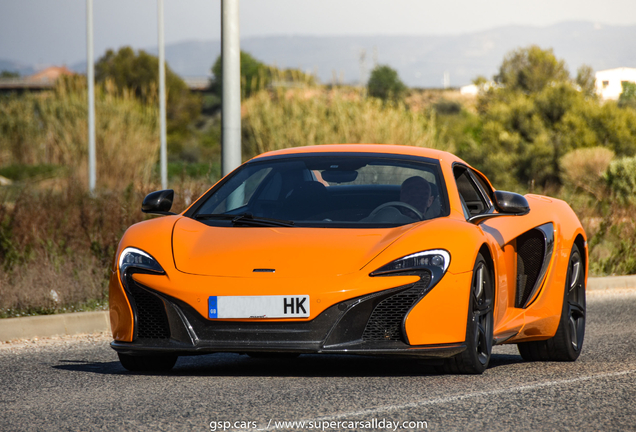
<point>628,95</point>
<point>384,83</point>
<point>621,180</point>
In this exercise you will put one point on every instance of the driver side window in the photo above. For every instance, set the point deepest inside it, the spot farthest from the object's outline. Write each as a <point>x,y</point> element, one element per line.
<point>472,199</point>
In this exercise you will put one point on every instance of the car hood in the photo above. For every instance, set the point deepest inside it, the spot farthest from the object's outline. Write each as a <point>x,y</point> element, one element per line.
<point>292,252</point>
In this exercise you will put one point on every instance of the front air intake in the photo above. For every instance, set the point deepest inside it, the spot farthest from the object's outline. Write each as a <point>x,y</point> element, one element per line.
<point>152,321</point>
<point>385,323</point>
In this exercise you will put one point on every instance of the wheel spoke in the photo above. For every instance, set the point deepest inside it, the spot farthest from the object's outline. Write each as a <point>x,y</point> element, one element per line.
<point>574,273</point>
<point>576,303</point>
<point>576,309</point>
<point>574,337</point>
<point>484,308</point>
<point>479,283</point>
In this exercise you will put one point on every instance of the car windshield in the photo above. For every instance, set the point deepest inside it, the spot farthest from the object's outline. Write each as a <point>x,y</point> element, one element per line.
<point>327,191</point>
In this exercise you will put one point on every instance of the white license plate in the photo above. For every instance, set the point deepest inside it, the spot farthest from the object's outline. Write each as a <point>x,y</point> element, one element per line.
<point>279,306</point>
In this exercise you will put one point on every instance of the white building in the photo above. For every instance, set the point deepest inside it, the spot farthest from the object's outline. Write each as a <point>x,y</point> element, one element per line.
<point>470,90</point>
<point>473,89</point>
<point>609,83</point>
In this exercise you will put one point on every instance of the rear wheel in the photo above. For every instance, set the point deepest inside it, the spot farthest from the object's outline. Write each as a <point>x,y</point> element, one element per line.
<point>566,344</point>
<point>475,359</point>
<point>147,363</point>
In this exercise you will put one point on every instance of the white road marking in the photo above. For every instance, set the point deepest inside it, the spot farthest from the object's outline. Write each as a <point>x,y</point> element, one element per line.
<point>442,400</point>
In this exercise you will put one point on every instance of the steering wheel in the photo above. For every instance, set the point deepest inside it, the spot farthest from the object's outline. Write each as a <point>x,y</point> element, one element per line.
<point>397,204</point>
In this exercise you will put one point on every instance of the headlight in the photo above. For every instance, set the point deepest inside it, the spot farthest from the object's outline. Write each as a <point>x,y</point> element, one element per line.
<point>436,261</point>
<point>133,257</point>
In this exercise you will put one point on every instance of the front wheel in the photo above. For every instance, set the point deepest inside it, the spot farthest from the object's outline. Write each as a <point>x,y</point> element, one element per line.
<point>147,363</point>
<point>479,328</point>
<point>566,344</point>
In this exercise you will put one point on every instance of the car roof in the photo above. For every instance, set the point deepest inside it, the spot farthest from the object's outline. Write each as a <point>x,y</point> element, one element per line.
<point>368,148</point>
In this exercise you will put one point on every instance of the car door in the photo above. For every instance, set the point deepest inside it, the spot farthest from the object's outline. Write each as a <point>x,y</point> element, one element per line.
<point>522,248</point>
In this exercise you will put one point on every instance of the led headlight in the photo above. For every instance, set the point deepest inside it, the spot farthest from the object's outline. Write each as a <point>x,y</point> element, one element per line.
<point>436,261</point>
<point>133,257</point>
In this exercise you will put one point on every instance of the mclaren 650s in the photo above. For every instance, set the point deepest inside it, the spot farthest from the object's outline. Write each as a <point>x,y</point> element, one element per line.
<point>351,249</point>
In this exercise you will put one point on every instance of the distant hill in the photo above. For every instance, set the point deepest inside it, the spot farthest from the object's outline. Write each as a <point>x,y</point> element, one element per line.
<point>420,60</point>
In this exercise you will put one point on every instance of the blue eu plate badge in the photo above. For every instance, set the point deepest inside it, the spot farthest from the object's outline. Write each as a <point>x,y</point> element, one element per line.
<point>213,311</point>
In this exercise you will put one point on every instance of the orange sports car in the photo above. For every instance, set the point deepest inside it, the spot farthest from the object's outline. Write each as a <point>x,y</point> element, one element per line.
<point>351,249</point>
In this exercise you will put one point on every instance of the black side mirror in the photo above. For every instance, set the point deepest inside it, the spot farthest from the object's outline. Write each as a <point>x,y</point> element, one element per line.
<point>158,202</point>
<point>507,204</point>
<point>511,203</point>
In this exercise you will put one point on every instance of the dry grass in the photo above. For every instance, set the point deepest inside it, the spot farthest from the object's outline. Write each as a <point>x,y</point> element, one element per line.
<point>64,241</point>
<point>583,169</point>
<point>52,128</point>
<point>310,116</point>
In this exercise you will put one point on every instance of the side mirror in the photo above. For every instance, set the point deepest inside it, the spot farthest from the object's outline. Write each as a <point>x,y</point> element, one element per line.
<point>507,204</point>
<point>511,203</point>
<point>158,202</point>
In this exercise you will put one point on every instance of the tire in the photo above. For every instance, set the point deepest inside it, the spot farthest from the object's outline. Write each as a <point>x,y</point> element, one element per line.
<point>567,343</point>
<point>479,327</point>
<point>147,363</point>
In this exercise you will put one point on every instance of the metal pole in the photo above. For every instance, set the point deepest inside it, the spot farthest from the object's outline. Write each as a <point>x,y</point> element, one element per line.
<point>231,95</point>
<point>90,77</point>
<point>162,99</point>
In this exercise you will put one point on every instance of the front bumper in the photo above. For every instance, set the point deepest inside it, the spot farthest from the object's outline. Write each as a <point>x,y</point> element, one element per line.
<point>372,324</point>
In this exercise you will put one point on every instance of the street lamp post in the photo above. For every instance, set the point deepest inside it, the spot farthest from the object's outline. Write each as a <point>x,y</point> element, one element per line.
<point>162,98</point>
<point>231,93</point>
<point>90,77</point>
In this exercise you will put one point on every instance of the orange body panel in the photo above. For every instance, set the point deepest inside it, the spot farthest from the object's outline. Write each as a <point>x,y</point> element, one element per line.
<point>121,314</point>
<point>432,321</point>
<point>332,265</point>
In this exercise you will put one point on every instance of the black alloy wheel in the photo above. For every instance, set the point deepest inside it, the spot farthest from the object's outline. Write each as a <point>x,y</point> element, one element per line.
<point>567,343</point>
<point>475,359</point>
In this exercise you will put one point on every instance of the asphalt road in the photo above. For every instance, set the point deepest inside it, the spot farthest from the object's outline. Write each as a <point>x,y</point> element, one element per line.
<point>76,383</point>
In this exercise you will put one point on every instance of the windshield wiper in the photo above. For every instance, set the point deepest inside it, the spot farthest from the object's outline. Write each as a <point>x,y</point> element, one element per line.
<point>221,216</point>
<point>248,219</point>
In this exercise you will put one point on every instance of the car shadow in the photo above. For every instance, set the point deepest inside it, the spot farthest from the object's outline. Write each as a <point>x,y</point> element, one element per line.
<point>307,365</point>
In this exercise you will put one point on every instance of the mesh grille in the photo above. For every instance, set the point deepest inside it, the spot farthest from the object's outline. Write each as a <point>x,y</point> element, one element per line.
<point>530,251</point>
<point>152,322</point>
<point>386,319</point>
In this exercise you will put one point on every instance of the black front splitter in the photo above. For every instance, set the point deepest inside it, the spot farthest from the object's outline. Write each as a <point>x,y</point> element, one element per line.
<point>389,348</point>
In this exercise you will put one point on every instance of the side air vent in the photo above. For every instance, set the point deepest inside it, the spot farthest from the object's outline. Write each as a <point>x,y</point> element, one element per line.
<point>152,321</point>
<point>385,322</point>
<point>534,251</point>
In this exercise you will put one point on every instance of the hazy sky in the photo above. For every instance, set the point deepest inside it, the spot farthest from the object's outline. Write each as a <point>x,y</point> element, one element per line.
<point>54,31</point>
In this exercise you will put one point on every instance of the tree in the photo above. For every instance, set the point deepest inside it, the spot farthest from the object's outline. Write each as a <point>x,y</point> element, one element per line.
<point>255,75</point>
<point>537,116</point>
<point>586,80</point>
<point>480,80</point>
<point>530,69</point>
<point>139,73</point>
<point>628,96</point>
<point>384,83</point>
<point>9,74</point>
